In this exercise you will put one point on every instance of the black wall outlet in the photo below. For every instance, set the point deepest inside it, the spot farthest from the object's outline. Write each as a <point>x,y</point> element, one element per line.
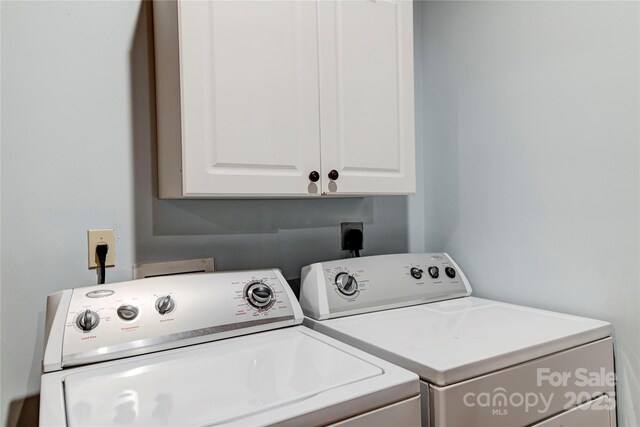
<point>344,230</point>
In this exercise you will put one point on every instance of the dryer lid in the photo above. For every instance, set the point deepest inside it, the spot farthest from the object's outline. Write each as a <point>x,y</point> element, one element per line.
<point>212,383</point>
<point>454,340</point>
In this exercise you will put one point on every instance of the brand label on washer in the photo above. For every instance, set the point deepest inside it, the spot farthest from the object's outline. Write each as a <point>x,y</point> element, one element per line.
<point>100,293</point>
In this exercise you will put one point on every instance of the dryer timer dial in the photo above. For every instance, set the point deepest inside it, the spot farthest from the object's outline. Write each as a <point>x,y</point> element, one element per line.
<point>346,283</point>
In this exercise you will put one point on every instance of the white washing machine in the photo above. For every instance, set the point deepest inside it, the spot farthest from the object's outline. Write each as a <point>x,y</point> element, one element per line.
<point>208,349</point>
<point>481,362</point>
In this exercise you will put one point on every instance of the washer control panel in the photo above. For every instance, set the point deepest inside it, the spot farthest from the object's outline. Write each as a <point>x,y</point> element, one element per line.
<point>115,320</point>
<point>359,285</point>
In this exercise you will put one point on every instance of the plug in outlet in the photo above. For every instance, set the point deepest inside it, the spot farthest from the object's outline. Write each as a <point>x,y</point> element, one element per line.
<point>344,230</point>
<point>95,237</point>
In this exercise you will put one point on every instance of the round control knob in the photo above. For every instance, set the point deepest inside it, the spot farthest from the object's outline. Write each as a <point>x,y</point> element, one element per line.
<point>416,273</point>
<point>260,295</point>
<point>127,312</point>
<point>346,284</point>
<point>314,176</point>
<point>165,305</point>
<point>333,175</point>
<point>88,320</point>
<point>450,271</point>
<point>434,272</point>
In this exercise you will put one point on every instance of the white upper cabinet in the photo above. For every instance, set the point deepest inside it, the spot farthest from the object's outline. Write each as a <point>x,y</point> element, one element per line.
<point>259,98</point>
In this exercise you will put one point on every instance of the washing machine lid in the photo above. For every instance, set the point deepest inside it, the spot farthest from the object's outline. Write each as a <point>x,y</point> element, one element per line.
<point>454,340</point>
<point>255,379</point>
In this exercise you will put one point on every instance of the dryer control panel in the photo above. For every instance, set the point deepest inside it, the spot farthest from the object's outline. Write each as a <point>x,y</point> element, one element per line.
<point>359,285</point>
<point>104,322</point>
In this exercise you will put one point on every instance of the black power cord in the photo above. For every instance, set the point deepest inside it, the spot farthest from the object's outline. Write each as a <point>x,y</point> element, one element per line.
<point>353,241</point>
<point>101,254</point>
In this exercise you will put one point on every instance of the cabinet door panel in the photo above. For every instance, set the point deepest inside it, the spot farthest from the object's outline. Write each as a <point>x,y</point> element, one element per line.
<point>249,97</point>
<point>366,95</point>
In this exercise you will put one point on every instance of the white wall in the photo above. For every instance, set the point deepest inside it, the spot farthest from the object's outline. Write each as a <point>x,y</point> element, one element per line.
<point>78,153</point>
<point>531,123</point>
<point>530,177</point>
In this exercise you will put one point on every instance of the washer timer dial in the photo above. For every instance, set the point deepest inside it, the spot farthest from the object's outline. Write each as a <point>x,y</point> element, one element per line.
<point>260,295</point>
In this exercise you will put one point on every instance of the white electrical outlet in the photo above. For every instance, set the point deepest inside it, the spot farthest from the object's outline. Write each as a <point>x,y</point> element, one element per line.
<point>96,237</point>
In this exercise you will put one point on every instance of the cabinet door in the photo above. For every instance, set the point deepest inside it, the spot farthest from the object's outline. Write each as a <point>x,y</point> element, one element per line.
<point>250,108</point>
<point>366,96</point>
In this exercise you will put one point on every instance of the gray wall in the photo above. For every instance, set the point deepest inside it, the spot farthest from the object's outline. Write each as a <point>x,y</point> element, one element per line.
<point>531,124</point>
<point>78,153</point>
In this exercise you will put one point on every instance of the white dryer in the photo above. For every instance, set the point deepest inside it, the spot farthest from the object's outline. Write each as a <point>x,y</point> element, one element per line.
<point>481,362</point>
<point>208,349</point>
